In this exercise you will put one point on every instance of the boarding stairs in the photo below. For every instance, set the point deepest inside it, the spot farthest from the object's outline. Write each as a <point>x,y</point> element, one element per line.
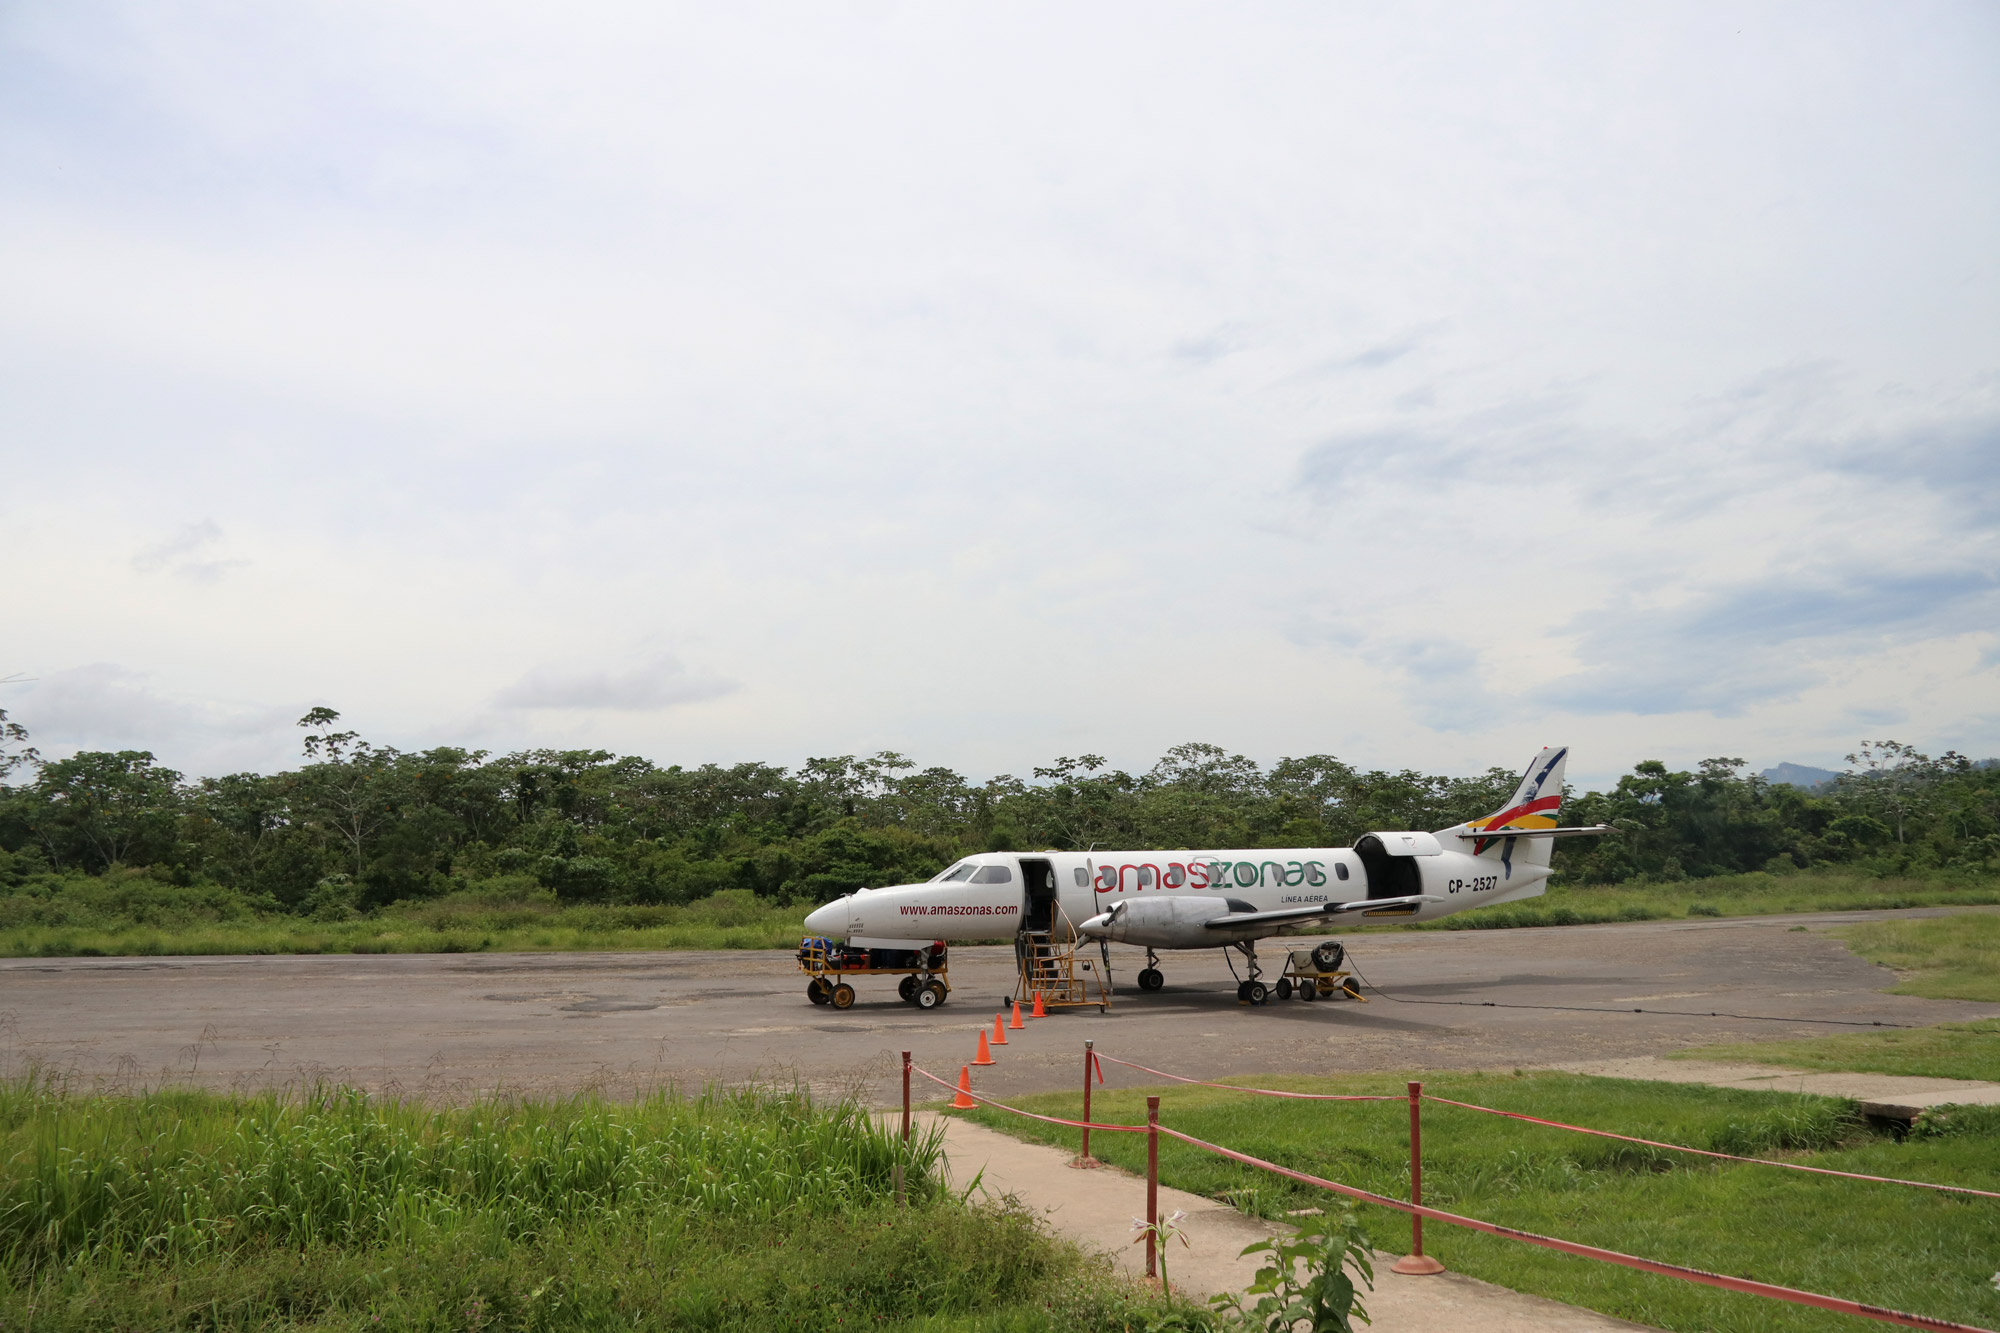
<point>1049,969</point>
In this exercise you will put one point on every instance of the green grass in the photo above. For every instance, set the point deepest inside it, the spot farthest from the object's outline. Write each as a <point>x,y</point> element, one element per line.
<point>1950,1050</point>
<point>128,913</point>
<point>1953,957</point>
<point>1904,1248</point>
<point>1757,894</point>
<point>746,1211</point>
<point>459,923</point>
<point>1945,958</point>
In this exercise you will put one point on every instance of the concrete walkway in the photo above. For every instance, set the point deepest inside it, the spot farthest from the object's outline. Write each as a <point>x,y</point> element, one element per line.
<point>1096,1208</point>
<point>1897,1095</point>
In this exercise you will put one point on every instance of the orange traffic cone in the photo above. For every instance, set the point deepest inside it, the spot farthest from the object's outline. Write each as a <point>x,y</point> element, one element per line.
<point>1017,1024</point>
<point>999,1030</point>
<point>964,1102</point>
<point>985,1057</point>
<point>1039,1011</point>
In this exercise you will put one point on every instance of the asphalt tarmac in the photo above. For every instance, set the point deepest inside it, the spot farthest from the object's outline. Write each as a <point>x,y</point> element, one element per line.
<point>456,1026</point>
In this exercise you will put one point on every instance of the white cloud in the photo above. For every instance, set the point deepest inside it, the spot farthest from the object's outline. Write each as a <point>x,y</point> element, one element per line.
<point>664,683</point>
<point>188,554</point>
<point>992,384</point>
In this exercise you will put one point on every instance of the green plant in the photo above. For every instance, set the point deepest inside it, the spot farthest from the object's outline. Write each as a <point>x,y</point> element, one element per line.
<point>1161,1231</point>
<point>1323,1298</point>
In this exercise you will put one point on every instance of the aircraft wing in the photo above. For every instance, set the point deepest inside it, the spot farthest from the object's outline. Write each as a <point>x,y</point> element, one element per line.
<point>1288,915</point>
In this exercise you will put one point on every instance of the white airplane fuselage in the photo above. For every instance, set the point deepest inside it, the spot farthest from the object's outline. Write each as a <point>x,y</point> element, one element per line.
<point>1206,899</point>
<point>1170,896</point>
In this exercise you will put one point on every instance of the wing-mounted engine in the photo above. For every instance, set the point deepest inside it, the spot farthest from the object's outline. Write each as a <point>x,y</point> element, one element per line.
<point>1179,922</point>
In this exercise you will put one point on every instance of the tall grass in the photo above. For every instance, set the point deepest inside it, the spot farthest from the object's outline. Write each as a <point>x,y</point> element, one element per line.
<point>732,1211</point>
<point>190,1174</point>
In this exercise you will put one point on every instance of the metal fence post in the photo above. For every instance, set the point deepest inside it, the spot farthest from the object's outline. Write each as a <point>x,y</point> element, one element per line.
<point>903,1149</point>
<point>1416,1263</point>
<point>1152,1184</point>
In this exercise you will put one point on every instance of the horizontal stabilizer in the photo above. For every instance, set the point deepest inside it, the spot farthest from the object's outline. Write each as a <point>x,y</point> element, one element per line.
<point>1279,917</point>
<point>1483,834</point>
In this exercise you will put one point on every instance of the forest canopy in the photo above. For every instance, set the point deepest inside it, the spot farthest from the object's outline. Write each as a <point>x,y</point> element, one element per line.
<point>358,826</point>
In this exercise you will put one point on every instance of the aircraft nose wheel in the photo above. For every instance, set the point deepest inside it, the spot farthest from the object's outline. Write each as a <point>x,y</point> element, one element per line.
<point>1151,979</point>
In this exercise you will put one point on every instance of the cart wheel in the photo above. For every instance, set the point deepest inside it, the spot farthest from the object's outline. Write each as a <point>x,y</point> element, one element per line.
<point>1308,989</point>
<point>1352,987</point>
<point>1259,992</point>
<point>843,996</point>
<point>1284,988</point>
<point>818,991</point>
<point>1151,979</point>
<point>907,988</point>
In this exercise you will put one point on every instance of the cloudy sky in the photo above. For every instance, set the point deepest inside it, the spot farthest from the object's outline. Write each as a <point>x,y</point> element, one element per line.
<point>1420,384</point>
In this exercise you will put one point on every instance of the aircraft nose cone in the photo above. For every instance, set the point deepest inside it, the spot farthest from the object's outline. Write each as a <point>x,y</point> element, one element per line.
<point>828,920</point>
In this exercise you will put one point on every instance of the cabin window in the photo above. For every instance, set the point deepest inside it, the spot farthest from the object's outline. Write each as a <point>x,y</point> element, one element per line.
<point>993,875</point>
<point>1082,878</point>
<point>1340,870</point>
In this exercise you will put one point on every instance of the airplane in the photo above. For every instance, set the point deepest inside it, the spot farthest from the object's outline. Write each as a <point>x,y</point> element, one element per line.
<point>1176,900</point>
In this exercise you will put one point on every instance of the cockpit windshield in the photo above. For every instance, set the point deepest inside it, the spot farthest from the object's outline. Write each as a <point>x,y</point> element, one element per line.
<point>955,874</point>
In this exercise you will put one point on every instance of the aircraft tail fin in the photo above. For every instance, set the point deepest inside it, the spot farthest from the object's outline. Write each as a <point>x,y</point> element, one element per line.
<point>1535,805</point>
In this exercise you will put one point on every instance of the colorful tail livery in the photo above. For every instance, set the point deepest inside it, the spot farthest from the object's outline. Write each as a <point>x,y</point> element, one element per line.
<point>1531,812</point>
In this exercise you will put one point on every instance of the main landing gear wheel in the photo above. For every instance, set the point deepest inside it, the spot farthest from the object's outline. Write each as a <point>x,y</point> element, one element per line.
<point>1150,979</point>
<point>818,991</point>
<point>907,988</point>
<point>929,997</point>
<point>1256,992</point>
<point>1284,988</point>
<point>843,996</point>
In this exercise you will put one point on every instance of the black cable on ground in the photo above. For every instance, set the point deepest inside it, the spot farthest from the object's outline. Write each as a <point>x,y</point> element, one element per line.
<point>1606,1009</point>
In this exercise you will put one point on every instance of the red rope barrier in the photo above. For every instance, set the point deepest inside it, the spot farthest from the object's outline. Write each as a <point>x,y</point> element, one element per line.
<point>1748,1286</point>
<point>1703,1276</point>
<point>1002,1106</point>
<point>1704,1152</point>
<point>1236,1087</point>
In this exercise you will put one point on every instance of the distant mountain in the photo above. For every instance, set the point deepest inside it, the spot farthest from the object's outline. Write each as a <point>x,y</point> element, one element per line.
<point>1798,775</point>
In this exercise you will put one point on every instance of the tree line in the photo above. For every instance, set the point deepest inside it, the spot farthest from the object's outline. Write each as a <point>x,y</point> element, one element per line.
<point>359,825</point>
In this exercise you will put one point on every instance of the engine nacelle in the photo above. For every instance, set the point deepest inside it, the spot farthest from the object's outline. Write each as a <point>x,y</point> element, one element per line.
<point>1179,922</point>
